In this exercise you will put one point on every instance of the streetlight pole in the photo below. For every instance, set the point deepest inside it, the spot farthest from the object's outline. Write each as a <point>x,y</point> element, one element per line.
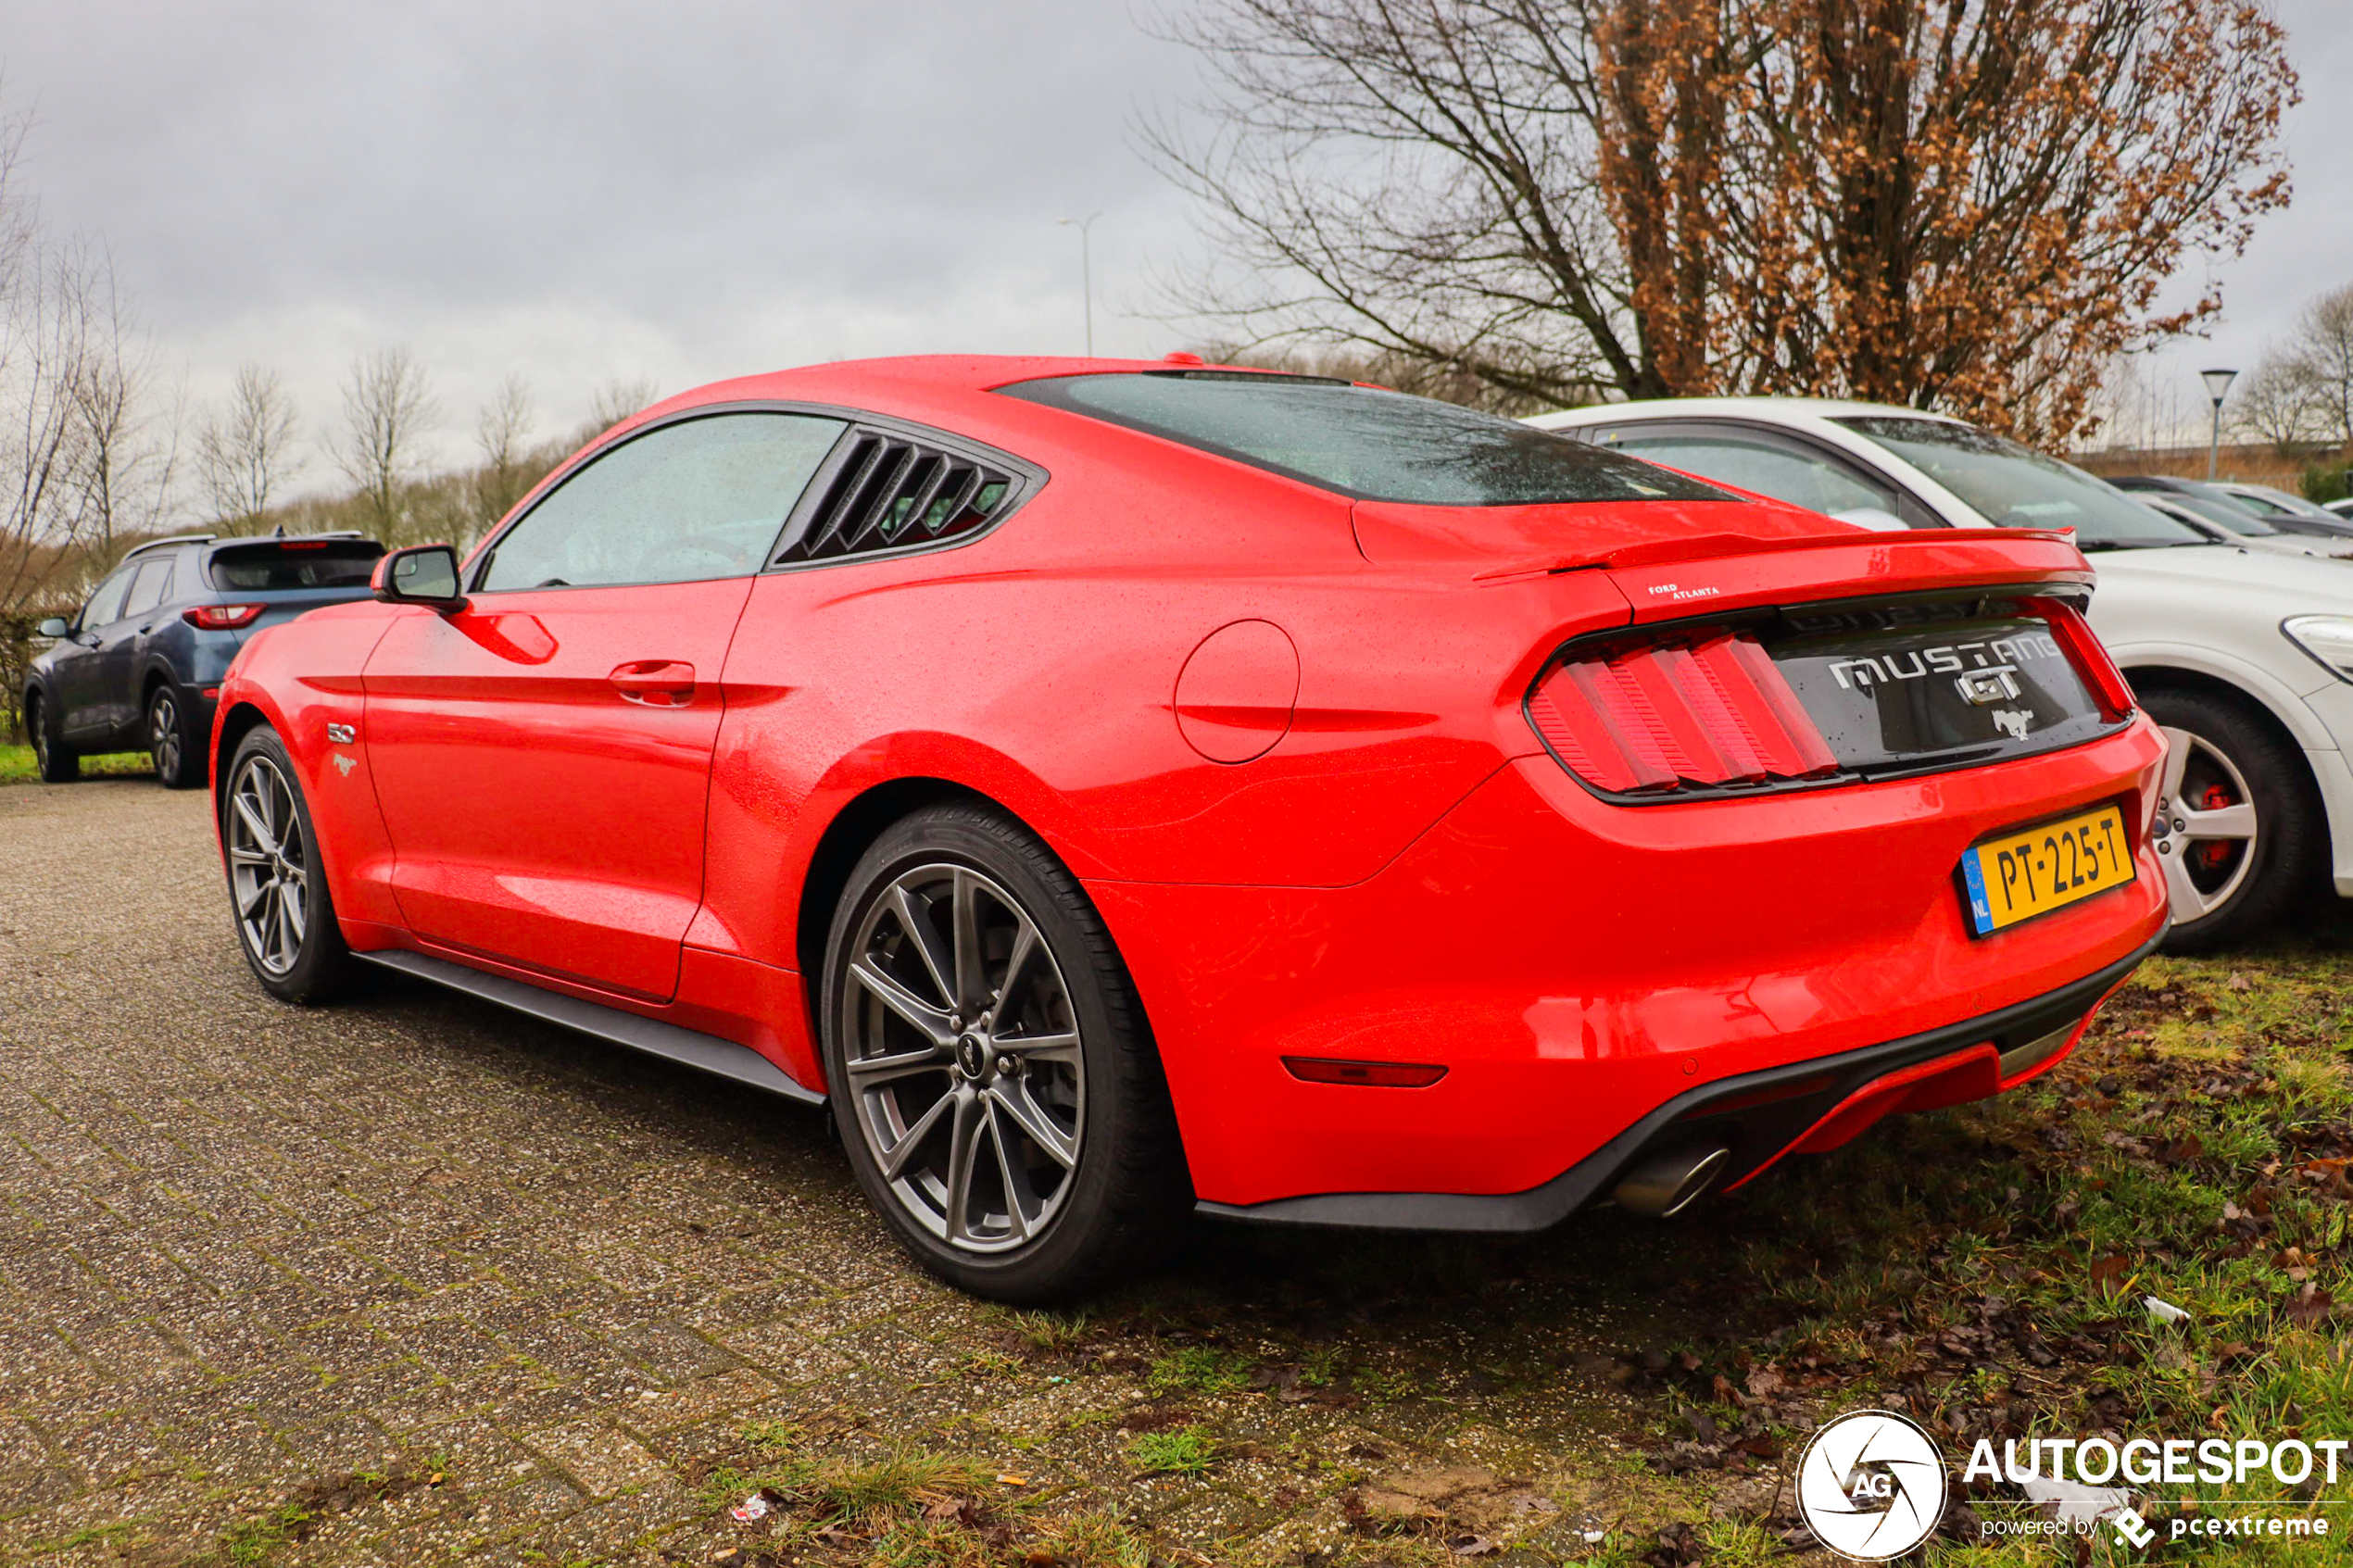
<point>1085,272</point>
<point>2217,386</point>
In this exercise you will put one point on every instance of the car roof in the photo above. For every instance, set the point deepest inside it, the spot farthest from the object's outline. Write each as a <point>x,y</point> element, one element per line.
<point>1772,410</point>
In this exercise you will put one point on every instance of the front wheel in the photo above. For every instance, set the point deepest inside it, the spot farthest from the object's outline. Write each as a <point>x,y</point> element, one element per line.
<point>277,891</point>
<point>52,758</point>
<point>2238,831</point>
<point>178,755</point>
<point>992,1072</point>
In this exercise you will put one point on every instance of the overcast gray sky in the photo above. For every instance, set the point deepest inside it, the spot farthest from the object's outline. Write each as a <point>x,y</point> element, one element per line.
<point>590,191</point>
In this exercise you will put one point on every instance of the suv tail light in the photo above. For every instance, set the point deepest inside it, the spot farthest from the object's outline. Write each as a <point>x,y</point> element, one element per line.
<point>222,618</point>
<point>1714,711</point>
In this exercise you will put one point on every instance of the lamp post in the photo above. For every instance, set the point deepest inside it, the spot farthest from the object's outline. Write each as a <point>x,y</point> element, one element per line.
<point>1085,272</point>
<point>2217,386</point>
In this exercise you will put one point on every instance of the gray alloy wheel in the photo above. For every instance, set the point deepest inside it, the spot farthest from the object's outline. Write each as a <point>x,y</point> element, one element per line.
<point>269,866</point>
<point>962,1050</point>
<point>2239,826</point>
<point>2207,828</point>
<point>168,739</point>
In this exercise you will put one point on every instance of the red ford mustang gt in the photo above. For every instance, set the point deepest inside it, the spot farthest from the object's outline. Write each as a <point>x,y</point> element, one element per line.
<point>1111,786</point>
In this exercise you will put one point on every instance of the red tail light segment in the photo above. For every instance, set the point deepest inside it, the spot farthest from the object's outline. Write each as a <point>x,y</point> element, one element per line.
<point>1709,711</point>
<point>222,618</point>
<point>2089,656</point>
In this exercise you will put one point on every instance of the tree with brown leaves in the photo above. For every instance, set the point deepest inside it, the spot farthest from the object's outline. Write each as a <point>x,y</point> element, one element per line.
<point>1969,206</point>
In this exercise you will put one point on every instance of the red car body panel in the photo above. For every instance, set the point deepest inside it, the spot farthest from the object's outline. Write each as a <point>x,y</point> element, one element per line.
<point>1397,871</point>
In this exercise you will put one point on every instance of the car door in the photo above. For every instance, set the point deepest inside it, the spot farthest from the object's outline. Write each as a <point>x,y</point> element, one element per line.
<point>120,644</point>
<point>542,757</point>
<point>83,710</point>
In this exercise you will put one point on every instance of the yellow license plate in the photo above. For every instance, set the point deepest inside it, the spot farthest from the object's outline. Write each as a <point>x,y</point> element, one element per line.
<point>2030,871</point>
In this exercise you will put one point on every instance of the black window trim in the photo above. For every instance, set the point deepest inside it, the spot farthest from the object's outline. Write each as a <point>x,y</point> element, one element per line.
<point>1027,476</point>
<point>1799,441</point>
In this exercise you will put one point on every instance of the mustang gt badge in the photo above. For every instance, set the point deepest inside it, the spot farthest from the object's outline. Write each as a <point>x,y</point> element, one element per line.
<point>346,763</point>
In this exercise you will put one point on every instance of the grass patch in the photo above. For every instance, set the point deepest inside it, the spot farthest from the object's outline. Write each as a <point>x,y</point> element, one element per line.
<point>1986,1269</point>
<point>17,765</point>
<point>1056,1333</point>
<point>1200,1368</point>
<point>1189,1451</point>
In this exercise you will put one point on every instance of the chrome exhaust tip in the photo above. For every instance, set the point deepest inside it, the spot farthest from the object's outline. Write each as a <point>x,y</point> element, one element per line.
<point>1666,1184</point>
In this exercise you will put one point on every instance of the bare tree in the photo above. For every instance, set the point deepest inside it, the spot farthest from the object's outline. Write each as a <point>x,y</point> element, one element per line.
<point>246,450</point>
<point>2320,360</point>
<point>386,411</point>
<point>502,434</point>
<point>132,447</point>
<point>616,400</point>
<point>44,352</point>
<point>1969,206</point>
<point>2275,405</point>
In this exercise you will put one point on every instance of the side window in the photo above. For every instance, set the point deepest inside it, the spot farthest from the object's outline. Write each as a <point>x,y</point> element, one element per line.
<point>105,606</point>
<point>686,502</point>
<point>1786,473</point>
<point>148,588</point>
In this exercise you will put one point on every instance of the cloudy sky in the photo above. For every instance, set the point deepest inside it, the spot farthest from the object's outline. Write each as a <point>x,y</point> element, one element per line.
<point>591,192</point>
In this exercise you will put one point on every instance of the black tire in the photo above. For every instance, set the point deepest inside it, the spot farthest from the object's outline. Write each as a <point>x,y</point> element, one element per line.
<point>300,954</point>
<point>172,741</point>
<point>55,760</point>
<point>1100,1102</point>
<point>2236,888</point>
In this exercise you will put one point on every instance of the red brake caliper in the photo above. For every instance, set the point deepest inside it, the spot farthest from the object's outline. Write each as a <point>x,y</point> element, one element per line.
<point>2214,851</point>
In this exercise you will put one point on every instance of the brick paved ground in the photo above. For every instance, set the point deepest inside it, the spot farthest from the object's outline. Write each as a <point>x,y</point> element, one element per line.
<point>411,1280</point>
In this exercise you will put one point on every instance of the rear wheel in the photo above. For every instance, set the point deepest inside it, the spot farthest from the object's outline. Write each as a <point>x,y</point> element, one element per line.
<point>177,752</point>
<point>52,758</point>
<point>276,893</point>
<point>996,1086</point>
<point>2237,830</point>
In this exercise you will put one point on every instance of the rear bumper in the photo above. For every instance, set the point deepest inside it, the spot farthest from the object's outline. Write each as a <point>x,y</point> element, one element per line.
<point>1573,966</point>
<point>1804,1106</point>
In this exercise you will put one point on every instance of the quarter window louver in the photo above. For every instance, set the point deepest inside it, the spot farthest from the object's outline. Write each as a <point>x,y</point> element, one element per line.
<point>888,493</point>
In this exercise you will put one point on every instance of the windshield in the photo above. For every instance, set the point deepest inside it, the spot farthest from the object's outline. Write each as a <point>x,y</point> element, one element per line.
<point>2220,510</point>
<point>2014,486</point>
<point>2264,501</point>
<point>1363,441</point>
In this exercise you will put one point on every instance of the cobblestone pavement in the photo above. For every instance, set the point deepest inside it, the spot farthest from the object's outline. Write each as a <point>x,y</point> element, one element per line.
<point>411,1280</point>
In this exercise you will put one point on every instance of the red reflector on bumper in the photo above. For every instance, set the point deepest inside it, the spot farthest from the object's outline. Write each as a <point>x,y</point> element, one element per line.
<point>1380,1075</point>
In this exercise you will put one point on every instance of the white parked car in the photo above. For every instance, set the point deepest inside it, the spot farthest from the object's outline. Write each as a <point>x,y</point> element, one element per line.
<point>2244,657</point>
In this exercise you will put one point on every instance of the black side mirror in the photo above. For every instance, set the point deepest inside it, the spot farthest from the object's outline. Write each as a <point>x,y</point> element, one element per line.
<point>55,626</point>
<point>421,574</point>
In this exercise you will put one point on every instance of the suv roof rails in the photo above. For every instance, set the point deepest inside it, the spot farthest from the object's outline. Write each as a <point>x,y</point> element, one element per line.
<point>175,539</point>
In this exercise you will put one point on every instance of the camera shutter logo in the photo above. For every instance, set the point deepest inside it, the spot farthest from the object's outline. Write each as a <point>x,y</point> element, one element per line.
<point>1872,1485</point>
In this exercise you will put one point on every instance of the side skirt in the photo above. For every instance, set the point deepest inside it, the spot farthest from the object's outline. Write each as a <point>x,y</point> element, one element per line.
<point>708,1052</point>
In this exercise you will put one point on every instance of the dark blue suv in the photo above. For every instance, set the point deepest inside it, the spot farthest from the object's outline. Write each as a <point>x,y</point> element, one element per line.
<point>140,667</point>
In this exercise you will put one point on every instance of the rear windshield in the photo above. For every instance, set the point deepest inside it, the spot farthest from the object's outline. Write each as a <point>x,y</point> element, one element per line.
<point>1362,441</point>
<point>295,563</point>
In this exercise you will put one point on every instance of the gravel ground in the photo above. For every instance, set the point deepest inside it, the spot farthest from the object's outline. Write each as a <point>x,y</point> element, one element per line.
<point>411,1280</point>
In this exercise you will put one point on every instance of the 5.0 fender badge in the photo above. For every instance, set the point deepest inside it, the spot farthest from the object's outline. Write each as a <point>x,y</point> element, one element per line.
<point>346,763</point>
<point>342,735</point>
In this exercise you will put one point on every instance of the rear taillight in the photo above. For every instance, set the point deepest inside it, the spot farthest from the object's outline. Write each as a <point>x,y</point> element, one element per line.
<point>222,618</point>
<point>1710,710</point>
<point>2089,654</point>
